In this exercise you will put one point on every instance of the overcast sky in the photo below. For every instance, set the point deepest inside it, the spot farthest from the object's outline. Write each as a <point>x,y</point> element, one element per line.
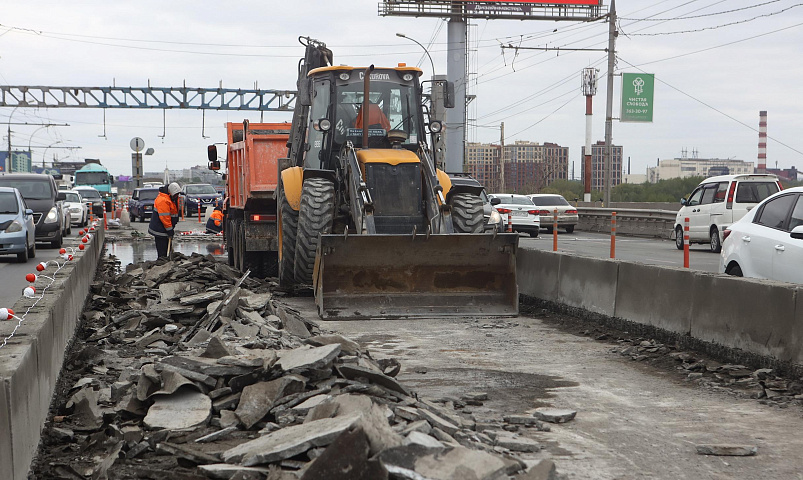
<point>717,63</point>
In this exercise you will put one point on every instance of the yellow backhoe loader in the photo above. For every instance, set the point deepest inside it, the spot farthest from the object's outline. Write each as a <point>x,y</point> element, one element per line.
<point>366,218</point>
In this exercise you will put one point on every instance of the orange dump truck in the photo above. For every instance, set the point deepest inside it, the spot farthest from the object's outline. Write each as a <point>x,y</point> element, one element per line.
<point>250,207</point>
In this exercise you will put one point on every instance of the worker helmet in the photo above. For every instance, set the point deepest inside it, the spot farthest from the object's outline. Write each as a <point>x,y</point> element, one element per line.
<point>173,189</point>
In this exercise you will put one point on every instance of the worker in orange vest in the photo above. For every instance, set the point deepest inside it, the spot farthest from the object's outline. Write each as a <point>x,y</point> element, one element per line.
<point>215,222</point>
<point>164,218</point>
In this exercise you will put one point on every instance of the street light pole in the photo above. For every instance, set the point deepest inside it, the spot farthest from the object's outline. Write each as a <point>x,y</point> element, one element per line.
<point>401,35</point>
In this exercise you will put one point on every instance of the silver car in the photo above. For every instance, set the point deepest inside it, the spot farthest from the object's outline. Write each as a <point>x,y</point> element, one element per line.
<point>547,203</point>
<point>518,211</point>
<point>17,228</point>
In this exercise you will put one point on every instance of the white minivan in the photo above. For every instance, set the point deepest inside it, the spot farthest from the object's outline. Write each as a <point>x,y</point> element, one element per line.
<point>719,201</point>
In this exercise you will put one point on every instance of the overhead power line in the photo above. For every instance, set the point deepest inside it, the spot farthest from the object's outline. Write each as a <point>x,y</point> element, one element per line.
<point>701,102</point>
<point>689,17</point>
<point>715,27</point>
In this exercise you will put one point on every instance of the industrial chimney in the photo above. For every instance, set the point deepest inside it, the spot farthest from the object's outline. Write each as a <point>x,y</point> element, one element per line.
<point>762,142</point>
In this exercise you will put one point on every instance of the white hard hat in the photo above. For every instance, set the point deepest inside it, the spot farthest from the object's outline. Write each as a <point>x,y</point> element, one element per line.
<point>173,188</point>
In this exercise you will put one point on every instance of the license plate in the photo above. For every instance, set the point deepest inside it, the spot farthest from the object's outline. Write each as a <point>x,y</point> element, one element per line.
<point>518,214</point>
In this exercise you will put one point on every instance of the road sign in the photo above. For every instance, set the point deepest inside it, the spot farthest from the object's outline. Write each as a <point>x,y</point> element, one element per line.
<point>637,97</point>
<point>137,144</point>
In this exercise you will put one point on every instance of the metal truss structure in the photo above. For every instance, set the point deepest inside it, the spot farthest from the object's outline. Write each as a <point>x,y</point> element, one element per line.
<point>572,11</point>
<point>147,97</point>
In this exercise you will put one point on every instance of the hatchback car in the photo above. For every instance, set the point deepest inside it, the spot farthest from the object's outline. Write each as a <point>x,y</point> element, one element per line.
<point>768,241</point>
<point>93,200</point>
<point>141,204</point>
<point>76,208</point>
<point>17,228</point>
<point>719,201</point>
<point>200,195</point>
<point>519,211</point>
<point>547,203</point>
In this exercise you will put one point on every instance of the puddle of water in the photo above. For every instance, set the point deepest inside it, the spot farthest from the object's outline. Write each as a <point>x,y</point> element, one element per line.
<point>511,391</point>
<point>144,250</point>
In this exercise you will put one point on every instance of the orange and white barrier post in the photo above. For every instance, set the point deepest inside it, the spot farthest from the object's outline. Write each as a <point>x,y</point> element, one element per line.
<point>686,242</point>
<point>555,230</point>
<point>613,234</point>
<point>199,212</point>
<point>510,222</point>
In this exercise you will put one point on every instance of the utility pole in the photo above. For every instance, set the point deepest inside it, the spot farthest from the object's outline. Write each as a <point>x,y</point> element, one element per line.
<point>609,103</point>
<point>589,90</point>
<point>502,159</point>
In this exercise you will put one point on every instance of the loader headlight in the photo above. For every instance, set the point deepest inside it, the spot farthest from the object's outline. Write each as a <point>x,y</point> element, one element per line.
<point>435,126</point>
<point>324,124</point>
<point>407,77</point>
<point>344,76</point>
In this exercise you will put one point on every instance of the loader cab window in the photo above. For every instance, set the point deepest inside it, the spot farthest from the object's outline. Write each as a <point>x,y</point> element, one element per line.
<point>315,135</point>
<point>393,107</point>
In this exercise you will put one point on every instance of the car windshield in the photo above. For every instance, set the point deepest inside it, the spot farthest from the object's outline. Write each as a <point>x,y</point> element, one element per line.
<point>8,202</point>
<point>549,201</point>
<point>200,190</point>
<point>91,178</point>
<point>72,197</point>
<point>514,199</point>
<point>90,194</point>
<point>30,188</point>
<point>148,194</point>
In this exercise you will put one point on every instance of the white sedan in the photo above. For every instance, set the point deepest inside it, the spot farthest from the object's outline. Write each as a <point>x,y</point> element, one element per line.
<point>76,207</point>
<point>768,241</point>
<point>519,211</point>
<point>547,204</point>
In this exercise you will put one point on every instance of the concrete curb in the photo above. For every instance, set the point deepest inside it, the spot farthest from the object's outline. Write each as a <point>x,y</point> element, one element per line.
<point>31,361</point>
<point>761,318</point>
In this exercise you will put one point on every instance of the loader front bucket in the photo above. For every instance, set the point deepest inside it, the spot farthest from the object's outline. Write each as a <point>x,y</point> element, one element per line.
<point>414,276</point>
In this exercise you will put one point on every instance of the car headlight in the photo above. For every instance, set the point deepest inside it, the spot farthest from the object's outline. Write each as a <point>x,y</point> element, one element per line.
<point>15,226</point>
<point>52,215</point>
<point>495,217</point>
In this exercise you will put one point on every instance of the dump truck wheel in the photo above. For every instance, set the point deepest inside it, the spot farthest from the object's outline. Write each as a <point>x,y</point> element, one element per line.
<point>288,229</point>
<point>467,214</point>
<point>314,217</point>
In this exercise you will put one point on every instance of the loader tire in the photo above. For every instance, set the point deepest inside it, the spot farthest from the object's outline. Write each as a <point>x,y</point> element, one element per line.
<point>314,218</point>
<point>467,213</point>
<point>288,226</point>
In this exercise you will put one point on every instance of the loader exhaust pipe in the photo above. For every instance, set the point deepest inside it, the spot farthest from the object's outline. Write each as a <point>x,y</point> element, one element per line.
<point>366,87</point>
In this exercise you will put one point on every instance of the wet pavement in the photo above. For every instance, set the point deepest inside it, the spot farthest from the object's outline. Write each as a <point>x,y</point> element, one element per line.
<point>133,244</point>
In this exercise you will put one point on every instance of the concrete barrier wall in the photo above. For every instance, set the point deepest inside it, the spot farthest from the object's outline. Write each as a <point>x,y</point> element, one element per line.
<point>31,360</point>
<point>761,318</point>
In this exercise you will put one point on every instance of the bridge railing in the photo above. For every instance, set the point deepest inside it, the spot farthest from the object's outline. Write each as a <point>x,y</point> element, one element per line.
<point>629,221</point>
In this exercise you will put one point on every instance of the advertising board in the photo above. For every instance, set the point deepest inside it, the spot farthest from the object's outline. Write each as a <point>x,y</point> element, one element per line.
<point>637,97</point>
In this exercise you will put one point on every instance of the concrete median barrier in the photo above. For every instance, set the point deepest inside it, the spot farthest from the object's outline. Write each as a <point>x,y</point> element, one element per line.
<point>31,359</point>
<point>752,318</point>
<point>753,315</point>
<point>660,297</point>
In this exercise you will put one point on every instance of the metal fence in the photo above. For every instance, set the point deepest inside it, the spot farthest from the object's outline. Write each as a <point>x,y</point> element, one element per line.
<point>629,221</point>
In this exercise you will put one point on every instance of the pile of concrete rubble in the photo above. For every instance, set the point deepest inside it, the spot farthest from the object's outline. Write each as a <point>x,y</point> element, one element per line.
<point>189,369</point>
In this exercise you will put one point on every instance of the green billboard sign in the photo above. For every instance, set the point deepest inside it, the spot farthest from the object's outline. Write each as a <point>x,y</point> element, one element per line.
<point>637,97</point>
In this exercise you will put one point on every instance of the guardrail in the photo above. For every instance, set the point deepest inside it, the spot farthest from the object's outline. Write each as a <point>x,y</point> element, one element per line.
<point>629,221</point>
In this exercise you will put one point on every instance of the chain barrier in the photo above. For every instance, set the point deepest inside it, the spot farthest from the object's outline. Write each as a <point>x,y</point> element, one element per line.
<point>30,291</point>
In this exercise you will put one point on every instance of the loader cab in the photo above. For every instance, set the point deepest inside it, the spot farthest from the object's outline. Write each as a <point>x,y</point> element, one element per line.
<point>395,113</point>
